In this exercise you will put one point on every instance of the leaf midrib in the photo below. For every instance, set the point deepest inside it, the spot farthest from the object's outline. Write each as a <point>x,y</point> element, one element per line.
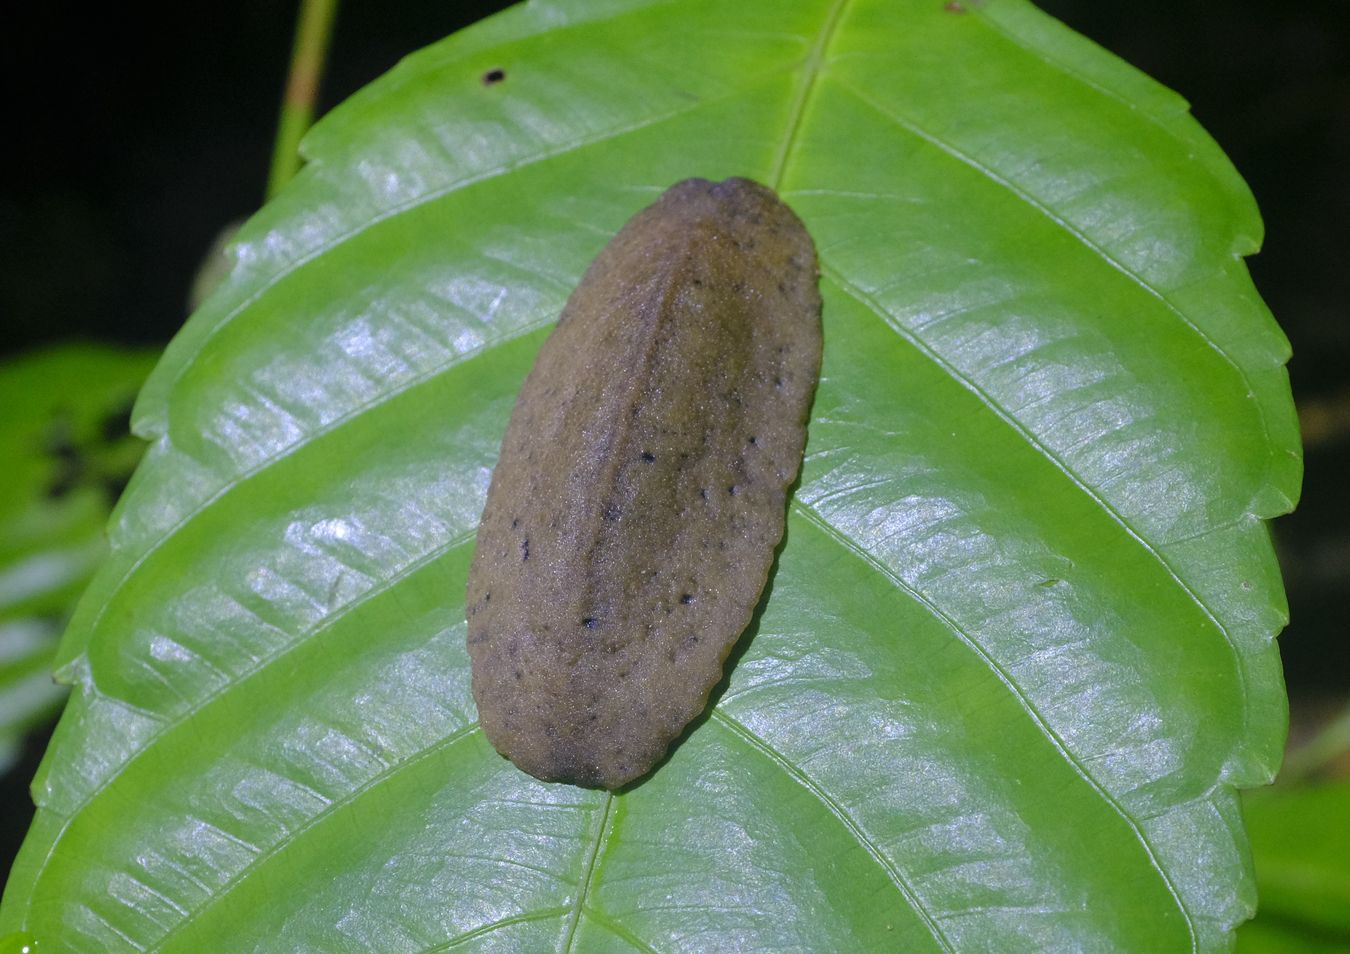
<point>815,61</point>
<point>293,267</point>
<point>811,68</point>
<point>805,512</point>
<point>587,875</point>
<point>602,832</point>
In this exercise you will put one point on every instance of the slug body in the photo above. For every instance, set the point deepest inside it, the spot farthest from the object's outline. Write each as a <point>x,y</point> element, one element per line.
<point>642,486</point>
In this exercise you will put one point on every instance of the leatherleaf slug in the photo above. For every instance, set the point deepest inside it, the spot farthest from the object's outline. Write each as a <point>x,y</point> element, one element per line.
<point>642,485</point>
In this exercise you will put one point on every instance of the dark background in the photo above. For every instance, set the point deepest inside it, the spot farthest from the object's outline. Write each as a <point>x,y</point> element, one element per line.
<point>133,135</point>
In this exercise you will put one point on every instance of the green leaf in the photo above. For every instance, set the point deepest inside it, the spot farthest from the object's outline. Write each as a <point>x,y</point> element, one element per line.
<point>1269,936</point>
<point>1301,843</point>
<point>1018,651</point>
<point>66,453</point>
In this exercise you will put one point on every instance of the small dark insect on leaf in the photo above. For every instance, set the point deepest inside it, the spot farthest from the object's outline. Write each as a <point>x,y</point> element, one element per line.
<point>685,360</point>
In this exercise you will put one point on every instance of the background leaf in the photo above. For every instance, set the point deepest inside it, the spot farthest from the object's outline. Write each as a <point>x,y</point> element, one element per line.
<point>67,454</point>
<point>1018,650</point>
<point>1301,840</point>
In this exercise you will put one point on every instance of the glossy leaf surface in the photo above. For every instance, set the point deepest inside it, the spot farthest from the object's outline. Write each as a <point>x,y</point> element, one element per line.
<point>67,454</point>
<point>1018,650</point>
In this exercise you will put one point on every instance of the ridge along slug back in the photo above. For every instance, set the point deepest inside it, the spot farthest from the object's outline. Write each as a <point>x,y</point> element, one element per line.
<point>642,486</point>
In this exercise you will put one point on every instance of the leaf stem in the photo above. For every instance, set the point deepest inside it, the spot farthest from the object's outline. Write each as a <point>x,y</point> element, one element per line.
<point>312,34</point>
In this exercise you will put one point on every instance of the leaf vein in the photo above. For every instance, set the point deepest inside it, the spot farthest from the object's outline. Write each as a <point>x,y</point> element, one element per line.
<point>761,746</point>
<point>1054,459</point>
<point>1065,69</point>
<point>371,784</point>
<point>347,798</point>
<point>621,932</point>
<point>811,69</point>
<point>299,446</point>
<point>544,155</point>
<point>1039,721</point>
<point>412,382</point>
<point>589,873</point>
<point>1043,208</point>
<point>478,932</point>
<point>261,665</point>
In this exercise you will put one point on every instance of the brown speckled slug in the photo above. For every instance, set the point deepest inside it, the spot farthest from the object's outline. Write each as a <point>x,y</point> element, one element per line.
<point>642,485</point>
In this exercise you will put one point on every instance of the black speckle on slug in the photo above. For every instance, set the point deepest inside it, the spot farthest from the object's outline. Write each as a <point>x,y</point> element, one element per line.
<point>685,360</point>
